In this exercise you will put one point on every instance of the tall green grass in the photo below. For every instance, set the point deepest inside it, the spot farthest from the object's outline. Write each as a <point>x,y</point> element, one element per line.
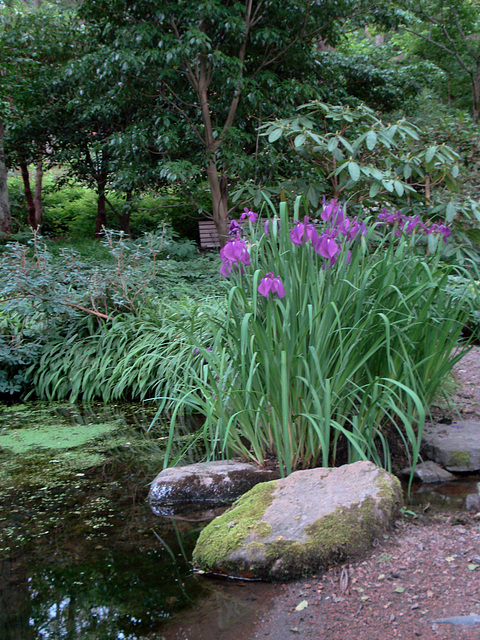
<point>130,357</point>
<point>350,355</point>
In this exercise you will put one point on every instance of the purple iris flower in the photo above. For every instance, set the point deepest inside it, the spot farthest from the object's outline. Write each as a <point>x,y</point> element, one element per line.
<point>234,254</point>
<point>392,218</point>
<point>412,223</point>
<point>326,246</point>
<point>271,284</point>
<point>439,228</point>
<point>302,232</point>
<point>234,228</point>
<point>352,228</point>
<point>249,215</point>
<point>332,212</point>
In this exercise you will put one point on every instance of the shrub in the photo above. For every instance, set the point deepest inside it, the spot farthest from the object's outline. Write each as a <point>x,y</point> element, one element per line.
<point>335,334</point>
<point>55,301</point>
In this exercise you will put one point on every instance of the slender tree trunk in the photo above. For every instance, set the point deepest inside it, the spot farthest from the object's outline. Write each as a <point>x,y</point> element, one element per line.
<point>5,217</point>
<point>28,195</point>
<point>101,221</point>
<point>219,193</point>
<point>37,198</point>
<point>125,217</point>
<point>476,95</point>
<point>427,189</point>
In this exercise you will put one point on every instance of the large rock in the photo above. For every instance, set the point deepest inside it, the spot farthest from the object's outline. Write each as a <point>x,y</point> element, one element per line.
<point>213,483</point>
<point>454,446</point>
<point>292,527</point>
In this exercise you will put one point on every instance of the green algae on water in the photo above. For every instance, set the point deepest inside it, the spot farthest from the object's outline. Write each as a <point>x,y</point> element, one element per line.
<point>52,436</point>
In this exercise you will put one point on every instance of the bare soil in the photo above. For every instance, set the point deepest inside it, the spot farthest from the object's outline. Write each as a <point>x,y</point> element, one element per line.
<point>425,571</point>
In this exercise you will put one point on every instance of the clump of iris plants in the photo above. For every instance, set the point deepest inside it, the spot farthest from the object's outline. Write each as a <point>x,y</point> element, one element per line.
<point>338,333</point>
<point>326,237</point>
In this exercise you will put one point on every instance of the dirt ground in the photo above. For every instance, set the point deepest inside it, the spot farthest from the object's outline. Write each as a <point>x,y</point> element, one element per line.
<point>416,582</point>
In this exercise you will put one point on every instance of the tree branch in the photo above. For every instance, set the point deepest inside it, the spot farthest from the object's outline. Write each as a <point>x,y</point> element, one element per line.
<point>93,312</point>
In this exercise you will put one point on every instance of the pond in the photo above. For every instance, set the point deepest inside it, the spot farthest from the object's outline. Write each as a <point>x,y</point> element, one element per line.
<point>81,554</point>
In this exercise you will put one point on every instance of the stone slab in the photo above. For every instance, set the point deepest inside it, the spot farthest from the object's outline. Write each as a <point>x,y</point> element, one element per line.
<point>454,446</point>
<point>215,483</point>
<point>429,472</point>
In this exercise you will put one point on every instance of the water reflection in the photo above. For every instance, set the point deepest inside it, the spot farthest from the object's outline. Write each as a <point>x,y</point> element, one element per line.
<point>444,496</point>
<point>79,556</point>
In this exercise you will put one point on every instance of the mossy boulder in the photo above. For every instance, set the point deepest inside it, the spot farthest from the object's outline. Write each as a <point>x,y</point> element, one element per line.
<point>292,527</point>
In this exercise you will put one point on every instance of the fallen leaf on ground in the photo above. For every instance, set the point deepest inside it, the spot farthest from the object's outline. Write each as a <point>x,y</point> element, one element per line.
<point>303,605</point>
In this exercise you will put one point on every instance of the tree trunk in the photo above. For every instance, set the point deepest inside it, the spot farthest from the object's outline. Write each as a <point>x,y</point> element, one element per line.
<point>126,214</point>
<point>37,199</point>
<point>219,193</point>
<point>5,217</point>
<point>427,189</point>
<point>101,222</point>
<point>476,95</point>
<point>28,195</point>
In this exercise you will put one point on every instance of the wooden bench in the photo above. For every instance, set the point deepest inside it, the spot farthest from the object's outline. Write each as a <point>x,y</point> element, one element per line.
<point>208,234</point>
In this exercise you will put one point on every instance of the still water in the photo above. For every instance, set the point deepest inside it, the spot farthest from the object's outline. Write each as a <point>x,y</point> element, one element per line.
<point>81,554</point>
<point>82,557</point>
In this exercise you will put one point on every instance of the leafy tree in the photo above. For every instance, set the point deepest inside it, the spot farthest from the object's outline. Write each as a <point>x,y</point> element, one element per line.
<point>371,70</point>
<point>448,34</point>
<point>214,71</point>
<point>34,46</point>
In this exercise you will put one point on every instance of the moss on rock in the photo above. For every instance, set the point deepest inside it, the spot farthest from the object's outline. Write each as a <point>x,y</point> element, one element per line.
<point>226,534</point>
<point>459,459</point>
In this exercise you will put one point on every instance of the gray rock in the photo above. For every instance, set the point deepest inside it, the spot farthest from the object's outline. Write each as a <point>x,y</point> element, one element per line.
<point>472,502</point>
<point>466,621</point>
<point>294,526</point>
<point>454,446</point>
<point>429,472</point>
<point>196,484</point>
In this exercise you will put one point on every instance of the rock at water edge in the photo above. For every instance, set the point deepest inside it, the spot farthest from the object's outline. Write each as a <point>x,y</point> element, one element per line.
<point>219,482</point>
<point>454,446</point>
<point>429,472</point>
<point>292,527</point>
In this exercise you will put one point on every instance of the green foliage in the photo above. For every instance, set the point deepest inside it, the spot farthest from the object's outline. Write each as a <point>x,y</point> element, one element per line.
<point>361,156</point>
<point>361,72</point>
<point>351,354</point>
<point>70,209</point>
<point>350,152</point>
<point>130,358</point>
<point>35,43</point>
<point>61,296</point>
<point>446,33</point>
<point>465,291</point>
